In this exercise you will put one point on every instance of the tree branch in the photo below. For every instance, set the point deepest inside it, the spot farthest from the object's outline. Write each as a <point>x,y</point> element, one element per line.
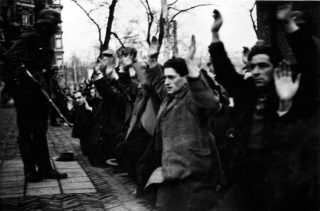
<point>117,37</point>
<point>255,28</point>
<point>130,36</point>
<point>109,25</point>
<point>185,10</point>
<point>171,4</point>
<point>161,32</point>
<point>92,20</point>
<point>150,17</point>
<point>90,11</point>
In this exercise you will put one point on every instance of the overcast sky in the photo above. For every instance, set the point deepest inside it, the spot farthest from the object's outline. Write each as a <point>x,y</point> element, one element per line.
<point>80,35</point>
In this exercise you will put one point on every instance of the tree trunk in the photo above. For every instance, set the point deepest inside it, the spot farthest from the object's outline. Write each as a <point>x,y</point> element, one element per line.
<point>109,26</point>
<point>166,35</point>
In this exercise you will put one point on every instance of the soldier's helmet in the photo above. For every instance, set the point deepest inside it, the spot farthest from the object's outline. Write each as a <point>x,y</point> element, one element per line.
<point>49,16</point>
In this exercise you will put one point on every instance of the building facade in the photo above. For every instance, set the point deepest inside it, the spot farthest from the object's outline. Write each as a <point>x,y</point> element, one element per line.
<point>271,31</point>
<point>19,16</point>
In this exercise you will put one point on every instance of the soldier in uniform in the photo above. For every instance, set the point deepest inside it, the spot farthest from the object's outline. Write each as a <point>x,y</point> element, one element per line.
<point>34,51</point>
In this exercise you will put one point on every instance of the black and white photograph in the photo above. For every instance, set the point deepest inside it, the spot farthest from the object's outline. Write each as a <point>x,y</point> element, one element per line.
<point>159,105</point>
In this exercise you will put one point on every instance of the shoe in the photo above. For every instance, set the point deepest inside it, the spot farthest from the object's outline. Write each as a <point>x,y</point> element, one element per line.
<point>33,176</point>
<point>54,174</point>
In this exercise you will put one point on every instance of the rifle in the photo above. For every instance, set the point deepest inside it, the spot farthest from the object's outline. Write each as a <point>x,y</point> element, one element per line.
<point>49,100</point>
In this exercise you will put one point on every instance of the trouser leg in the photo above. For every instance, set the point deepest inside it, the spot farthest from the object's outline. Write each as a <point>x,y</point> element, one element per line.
<point>40,144</point>
<point>25,143</point>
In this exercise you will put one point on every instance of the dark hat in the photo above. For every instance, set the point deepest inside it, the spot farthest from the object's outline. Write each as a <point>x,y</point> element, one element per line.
<point>66,156</point>
<point>108,52</point>
<point>49,16</point>
<point>179,64</point>
<point>127,50</point>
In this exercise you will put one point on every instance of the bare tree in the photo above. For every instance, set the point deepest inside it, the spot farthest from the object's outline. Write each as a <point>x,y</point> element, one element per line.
<point>103,43</point>
<point>179,11</point>
<point>150,16</point>
<point>168,14</point>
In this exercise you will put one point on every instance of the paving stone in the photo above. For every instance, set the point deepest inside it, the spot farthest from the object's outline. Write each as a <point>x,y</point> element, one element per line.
<point>11,184</point>
<point>13,173</point>
<point>43,191</point>
<point>108,191</point>
<point>77,185</point>
<point>43,184</point>
<point>8,195</point>
<point>87,190</point>
<point>11,190</point>
<point>4,169</point>
<point>76,174</point>
<point>11,178</point>
<point>75,179</point>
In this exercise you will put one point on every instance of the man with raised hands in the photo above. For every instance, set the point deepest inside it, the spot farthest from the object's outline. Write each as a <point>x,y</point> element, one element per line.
<point>182,158</point>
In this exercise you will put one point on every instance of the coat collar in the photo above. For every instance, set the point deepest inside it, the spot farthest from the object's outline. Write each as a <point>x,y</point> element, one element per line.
<point>171,100</point>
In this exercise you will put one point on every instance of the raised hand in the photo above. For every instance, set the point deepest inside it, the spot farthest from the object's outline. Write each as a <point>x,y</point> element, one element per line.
<point>193,69</point>
<point>288,17</point>
<point>192,48</point>
<point>153,48</point>
<point>283,13</point>
<point>286,87</point>
<point>140,68</point>
<point>217,21</point>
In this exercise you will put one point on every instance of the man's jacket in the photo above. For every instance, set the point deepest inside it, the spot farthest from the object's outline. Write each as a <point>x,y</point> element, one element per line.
<point>34,51</point>
<point>145,109</point>
<point>182,143</point>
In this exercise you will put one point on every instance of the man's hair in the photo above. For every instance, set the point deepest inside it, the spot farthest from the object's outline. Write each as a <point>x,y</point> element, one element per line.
<point>274,55</point>
<point>178,64</point>
<point>127,50</point>
<point>77,91</point>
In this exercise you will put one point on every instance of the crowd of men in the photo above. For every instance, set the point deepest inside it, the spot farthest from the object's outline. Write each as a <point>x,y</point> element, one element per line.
<point>172,128</point>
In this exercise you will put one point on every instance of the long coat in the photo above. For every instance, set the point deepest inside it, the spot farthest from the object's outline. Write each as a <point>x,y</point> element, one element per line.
<point>182,144</point>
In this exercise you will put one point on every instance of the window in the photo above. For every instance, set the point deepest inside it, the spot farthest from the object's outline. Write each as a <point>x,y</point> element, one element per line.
<point>58,43</point>
<point>25,20</point>
<point>56,1</point>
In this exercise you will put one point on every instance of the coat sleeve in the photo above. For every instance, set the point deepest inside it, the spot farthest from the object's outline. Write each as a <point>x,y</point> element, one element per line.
<point>105,89</point>
<point>14,57</point>
<point>202,95</point>
<point>155,82</point>
<point>226,74</point>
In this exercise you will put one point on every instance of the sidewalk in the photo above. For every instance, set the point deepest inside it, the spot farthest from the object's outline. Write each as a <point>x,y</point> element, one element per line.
<point>87,187</point>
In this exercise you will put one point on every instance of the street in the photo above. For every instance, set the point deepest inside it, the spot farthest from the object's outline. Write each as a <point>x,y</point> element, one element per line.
<point>86,188</point>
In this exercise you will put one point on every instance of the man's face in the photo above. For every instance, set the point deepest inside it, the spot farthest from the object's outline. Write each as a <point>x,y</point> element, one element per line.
<point>107,59</point>
<point>92,92</point>
<point>173,81</point>
<point>126,59</point>
<point>78,98</point>
<point>262,70</point>
<point>52,28</point>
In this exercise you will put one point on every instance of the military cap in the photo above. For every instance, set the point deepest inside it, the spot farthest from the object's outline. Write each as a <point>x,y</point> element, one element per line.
<point>49,16</point>
<point>108,52</point>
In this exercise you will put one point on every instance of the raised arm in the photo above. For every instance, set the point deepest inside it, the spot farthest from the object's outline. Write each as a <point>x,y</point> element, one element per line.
<point>151,78</point>
<point>104,86</point>
<point>202,95</point>
<point>305,50</point>
<point>225,72</point>
<point>301,42</point>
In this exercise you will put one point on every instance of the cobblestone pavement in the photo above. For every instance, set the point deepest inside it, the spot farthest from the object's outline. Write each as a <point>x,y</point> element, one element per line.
<point>88,188</point>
